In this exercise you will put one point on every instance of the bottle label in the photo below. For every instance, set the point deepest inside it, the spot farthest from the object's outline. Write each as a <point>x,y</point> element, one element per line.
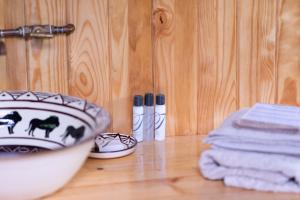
<point>137,123</point>
<point>160,122</point>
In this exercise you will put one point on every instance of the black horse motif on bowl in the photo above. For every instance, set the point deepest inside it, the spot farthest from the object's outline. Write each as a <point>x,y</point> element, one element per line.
<point>10,120</point>
<point>76,133</point>
<point>48,125</point>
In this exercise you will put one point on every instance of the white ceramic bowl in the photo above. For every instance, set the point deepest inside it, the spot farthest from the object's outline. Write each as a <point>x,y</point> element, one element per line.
<point>44,140</point>
<point>113,145</point>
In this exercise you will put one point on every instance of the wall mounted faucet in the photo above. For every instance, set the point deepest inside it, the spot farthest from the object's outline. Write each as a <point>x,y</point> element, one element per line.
<point>37,31</point>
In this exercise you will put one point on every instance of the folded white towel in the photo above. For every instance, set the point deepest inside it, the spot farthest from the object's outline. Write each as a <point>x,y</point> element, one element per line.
<point>232,136</point>
<point>270,116</point>
<point>260,171</point>
<point>252,158</point>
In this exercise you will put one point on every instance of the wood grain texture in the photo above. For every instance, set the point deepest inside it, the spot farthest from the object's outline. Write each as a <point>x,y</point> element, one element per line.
<point>158,170</point>
<point>175,63</point>
<point>226,90</point>
<point>120,77</point>
<point>163,56</point>
<point>2,48</point>
<point>16,68</point>
<point>47,58</point>
<point>207,64</point>
<point>209,57</point>
<point>130,48</point>
<point>140,46</point>
<point>256,33</point>
<point>89,71</point>
<point>288,59</point>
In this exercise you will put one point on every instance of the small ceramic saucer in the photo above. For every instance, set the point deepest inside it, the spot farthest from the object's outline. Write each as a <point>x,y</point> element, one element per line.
<point>113,145</point>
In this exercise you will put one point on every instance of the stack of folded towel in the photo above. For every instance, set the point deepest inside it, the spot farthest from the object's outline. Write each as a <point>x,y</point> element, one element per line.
<point>256,150</point>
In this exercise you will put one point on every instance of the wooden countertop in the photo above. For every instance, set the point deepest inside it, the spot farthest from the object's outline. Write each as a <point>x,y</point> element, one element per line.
<point>157,170</point>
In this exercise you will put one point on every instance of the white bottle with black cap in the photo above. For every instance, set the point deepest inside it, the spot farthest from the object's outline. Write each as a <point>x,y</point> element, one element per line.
<point>160,117</point>
<point>149,117</point>
<point>137,118</point>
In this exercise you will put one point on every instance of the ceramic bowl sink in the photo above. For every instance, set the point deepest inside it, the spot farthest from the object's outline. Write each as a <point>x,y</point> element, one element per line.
<point>44,140</point>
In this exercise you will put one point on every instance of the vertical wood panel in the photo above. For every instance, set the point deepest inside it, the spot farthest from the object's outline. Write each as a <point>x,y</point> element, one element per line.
<point>288,52</point>
<point>2,49</point>
<point>226,97</point>
<point>130,46</point>
<point>120,77</point>
<point>177,78</point>
<point>16,70</point>
<point>209,57</point>
<point>89,72</point>
<point>186,67</point>
<point>163,55</point>
<point>256,51</point>
<point>140,48</point>
<point>47,58</point>
<point>207,67</point>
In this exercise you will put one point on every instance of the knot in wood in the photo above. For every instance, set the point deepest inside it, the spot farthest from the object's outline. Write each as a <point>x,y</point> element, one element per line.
<point>162,21</point>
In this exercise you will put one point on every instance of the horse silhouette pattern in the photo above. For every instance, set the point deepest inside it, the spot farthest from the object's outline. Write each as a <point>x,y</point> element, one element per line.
<point>10,120</point>
<point>48,125</point>
<point>76,133</point>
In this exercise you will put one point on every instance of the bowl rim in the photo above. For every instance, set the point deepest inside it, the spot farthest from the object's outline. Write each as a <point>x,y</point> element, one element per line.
<point>94,131</point>
<point>116,151</point>
<point>19,156</point>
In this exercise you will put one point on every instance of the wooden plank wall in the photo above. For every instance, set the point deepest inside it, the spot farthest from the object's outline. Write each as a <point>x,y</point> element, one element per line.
<point>14,68</point>
<point>209,57</point>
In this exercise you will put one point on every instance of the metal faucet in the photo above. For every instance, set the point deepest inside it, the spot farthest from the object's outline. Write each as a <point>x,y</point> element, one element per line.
<point>37,31</point>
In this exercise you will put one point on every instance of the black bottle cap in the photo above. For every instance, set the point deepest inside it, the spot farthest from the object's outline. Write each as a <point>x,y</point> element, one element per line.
<point>160,99</point>
<point>138,100</point>
<point>149,99</point>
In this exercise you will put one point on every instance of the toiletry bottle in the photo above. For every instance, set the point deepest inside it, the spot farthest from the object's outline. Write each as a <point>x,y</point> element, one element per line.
<point>149,117</point>
<point>137,118</point>
<point>160,117</point>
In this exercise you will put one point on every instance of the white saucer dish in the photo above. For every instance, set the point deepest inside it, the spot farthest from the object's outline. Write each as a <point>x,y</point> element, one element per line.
<point>113,145</point>
<point>44,140</point>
